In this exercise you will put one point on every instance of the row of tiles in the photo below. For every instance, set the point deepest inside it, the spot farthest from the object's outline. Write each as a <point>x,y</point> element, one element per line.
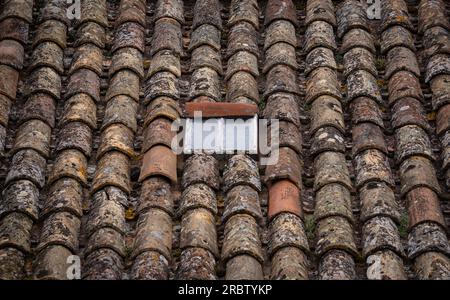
<point>153,244</point>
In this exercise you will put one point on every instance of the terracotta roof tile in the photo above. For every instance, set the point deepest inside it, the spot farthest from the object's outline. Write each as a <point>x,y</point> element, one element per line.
<point>280,10</point>
<point>417,173</point>
<point>156,208</point>
<point>363,111</point>
<point>385,265</point>
<point>289,263</point>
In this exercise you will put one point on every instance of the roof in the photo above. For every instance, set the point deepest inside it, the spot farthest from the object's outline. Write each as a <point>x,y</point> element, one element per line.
<point>361,186</point>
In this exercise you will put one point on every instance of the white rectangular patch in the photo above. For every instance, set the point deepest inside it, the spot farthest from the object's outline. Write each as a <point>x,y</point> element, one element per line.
<point>221,136</point>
